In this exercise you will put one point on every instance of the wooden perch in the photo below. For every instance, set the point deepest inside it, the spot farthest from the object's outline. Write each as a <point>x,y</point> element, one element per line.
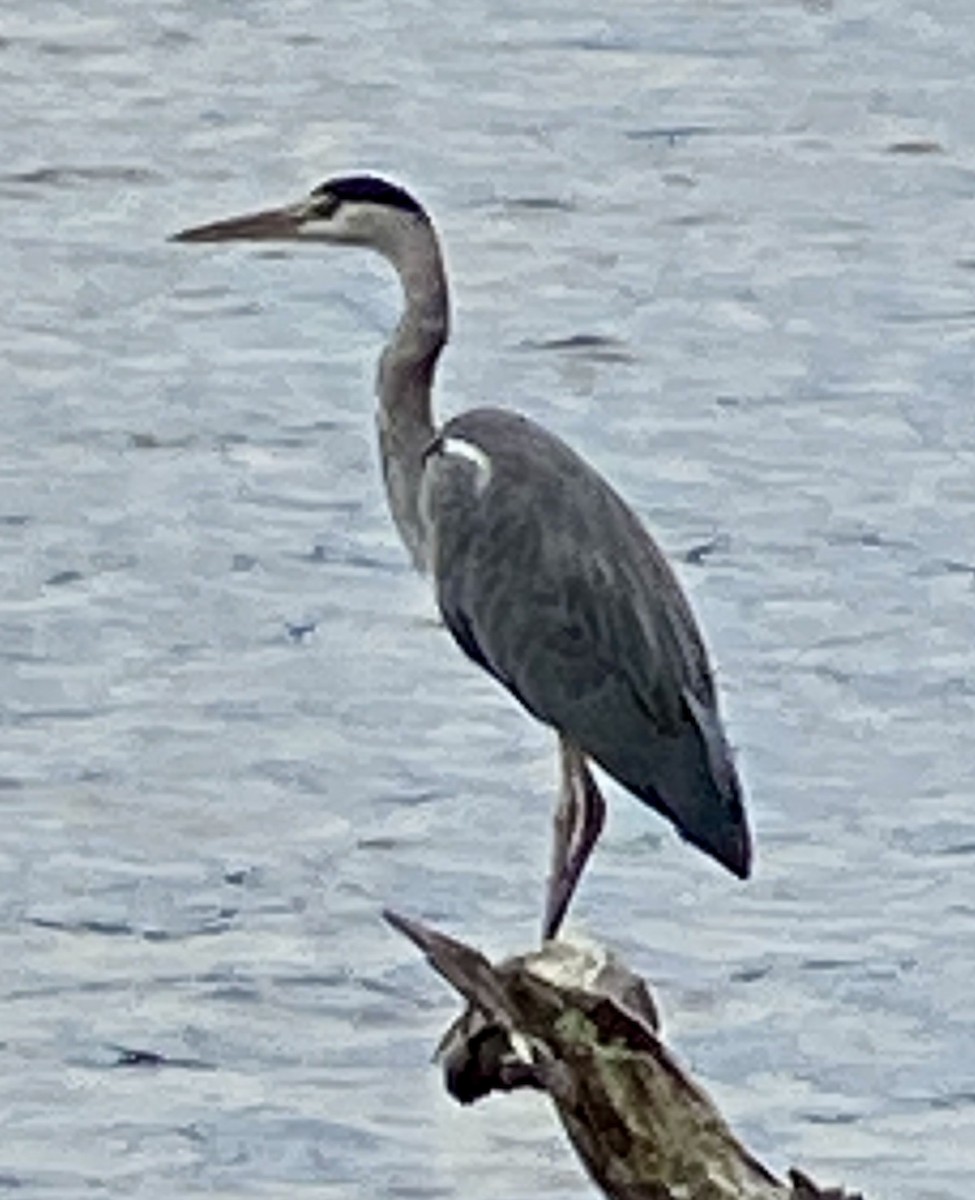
<point>576,1023</point>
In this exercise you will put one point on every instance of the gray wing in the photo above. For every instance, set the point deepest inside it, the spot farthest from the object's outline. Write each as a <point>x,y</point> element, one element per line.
<point>547,580</point>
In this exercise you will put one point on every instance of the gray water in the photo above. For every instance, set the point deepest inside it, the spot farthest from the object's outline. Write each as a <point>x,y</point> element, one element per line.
<point>724,248</point>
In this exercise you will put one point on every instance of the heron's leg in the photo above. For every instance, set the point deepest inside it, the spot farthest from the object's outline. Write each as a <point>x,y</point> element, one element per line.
<point>578,823</point>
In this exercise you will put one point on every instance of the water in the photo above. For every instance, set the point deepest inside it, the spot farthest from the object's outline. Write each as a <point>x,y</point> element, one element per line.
<point>726,250</point>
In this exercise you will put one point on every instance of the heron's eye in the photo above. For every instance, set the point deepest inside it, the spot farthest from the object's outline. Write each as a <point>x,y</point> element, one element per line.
<point>323,205</point>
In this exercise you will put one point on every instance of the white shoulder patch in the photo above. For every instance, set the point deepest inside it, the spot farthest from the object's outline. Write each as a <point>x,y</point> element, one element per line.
<point>464,449</point>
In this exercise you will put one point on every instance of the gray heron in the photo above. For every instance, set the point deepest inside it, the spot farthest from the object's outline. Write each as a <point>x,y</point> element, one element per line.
<point>543,574</point>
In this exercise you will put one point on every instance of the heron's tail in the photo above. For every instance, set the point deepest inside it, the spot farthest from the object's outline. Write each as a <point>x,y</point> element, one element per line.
<point>693,781</point>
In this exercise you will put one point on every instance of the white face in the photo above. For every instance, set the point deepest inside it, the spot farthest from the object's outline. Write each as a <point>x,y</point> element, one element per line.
<point>353,222</point>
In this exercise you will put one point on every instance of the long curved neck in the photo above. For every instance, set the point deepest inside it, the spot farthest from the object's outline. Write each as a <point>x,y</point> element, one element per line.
<point>406,371</point>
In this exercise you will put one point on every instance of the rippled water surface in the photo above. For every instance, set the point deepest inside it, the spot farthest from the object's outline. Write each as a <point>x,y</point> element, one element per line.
<point>727,250</point>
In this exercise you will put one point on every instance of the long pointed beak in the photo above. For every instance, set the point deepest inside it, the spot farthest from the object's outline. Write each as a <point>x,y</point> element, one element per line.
<point>272,225</point>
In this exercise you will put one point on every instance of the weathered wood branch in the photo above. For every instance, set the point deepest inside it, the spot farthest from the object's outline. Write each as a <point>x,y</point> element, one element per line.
<point>576,1023</point>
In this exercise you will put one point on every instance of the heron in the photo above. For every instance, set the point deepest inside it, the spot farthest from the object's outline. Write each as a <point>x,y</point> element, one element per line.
<point>543,574</point>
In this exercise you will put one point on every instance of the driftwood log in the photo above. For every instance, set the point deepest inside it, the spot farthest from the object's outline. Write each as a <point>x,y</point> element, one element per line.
<point>574,1022</point>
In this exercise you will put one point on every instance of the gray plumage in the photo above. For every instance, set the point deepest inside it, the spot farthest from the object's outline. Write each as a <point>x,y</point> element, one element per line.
<point>547,579</point>
<point>543,574</point>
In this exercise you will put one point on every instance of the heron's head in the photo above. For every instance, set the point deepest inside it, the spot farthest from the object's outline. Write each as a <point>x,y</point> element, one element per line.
<point>357,210</point>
